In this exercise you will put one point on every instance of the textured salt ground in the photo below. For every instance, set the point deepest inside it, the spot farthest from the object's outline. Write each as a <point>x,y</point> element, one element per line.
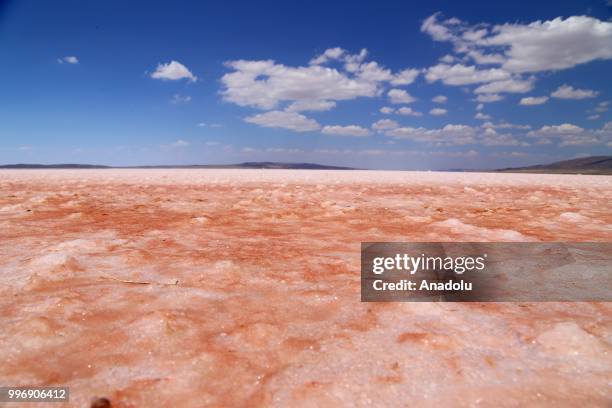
<point>267,311</point>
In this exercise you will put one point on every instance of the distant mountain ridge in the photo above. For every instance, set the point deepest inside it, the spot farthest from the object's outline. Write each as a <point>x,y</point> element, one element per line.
<point>583,165</point>
<point>52,166</point>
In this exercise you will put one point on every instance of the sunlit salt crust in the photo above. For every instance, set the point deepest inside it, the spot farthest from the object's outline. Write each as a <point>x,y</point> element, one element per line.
<point>266,310</point>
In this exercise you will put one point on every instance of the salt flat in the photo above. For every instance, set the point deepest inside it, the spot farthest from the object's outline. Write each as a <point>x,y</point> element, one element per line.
<point>241,287</point>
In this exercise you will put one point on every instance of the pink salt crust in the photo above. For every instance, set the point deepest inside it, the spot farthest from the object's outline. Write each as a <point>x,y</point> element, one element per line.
<point>191,288</point>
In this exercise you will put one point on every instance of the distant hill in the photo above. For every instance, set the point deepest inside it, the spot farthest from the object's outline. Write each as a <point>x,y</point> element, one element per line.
<point>53,166</point>
<point>245,165</point>
<point>583,165</point>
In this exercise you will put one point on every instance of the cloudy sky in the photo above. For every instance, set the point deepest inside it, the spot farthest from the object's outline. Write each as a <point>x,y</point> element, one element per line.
<point>382,84</point>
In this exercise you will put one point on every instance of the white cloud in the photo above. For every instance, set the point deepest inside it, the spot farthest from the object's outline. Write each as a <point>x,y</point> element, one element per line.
<point>180,143</point>
<point>555,130</point>
<point>178,98</point>
<point>437,112</point>
<point>505,125</point>
<point>405,77</point>
<point>264,84</point>
<point>486,59</point>
<point>437,31</point>
<point>71,59</point>
<point>512,85</point>
<point>486,98</point>
<point>350,130</point>
<point>569,92</point>
<point>519,48</point>
<point>480,106</point>
<point>286,120</point>
<point>460,74</point>
<point>406,111</point>
<point>533,100</point>
<point>571,135</point>
<point>173,71</point>
<point>440,99</point>
<point>400,96</point>
<point>371,71</point>
<point>386,110</point>
<point>593,117</point>
<point>448,135</point>
<point>482,116</point>
<point>554,44</point>
<point>602,106</point>
<point>385,124</point>
<point>311,105</point>
<point>353,62</point>
<point>454,135</point>
<point>329,54</point>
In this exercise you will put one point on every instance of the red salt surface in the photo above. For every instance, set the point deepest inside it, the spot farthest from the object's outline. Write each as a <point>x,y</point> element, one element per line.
<point>247,289</point>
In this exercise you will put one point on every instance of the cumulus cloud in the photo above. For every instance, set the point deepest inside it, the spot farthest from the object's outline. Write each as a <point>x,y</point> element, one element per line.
<point>173,71</point>
<point>554,44</point>
<point>71,59</point>
<point>386,110</point>
<point>385,124</point>
<point>437,112</point>
<point>572,135</point>
<point>460,74</point>
<point>311,105</point>
<point>350,130</point>
<point>400,96</point>
<point>486,98</point>
<point>440,99</point>
<point>520,48</point>
<point>512,85</point>
<point>329,54</point>
<point>569,92</point>
<point>405,77</point>
<point>533,100</point>
<point>482,116</point>
<point>555,130</point>
<point>406,111</point>
<point>448,135</point>
<point>265,84</point>
<point>509,51</point>
<point>456,134</point>
<point>505,125</point>
<point>286,120</point>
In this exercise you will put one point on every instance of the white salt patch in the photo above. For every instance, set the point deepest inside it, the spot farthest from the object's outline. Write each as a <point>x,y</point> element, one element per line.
<point>569,339</point>
<point>415,218</point>
<point>50,260</point>
<point>8,208</point>
<point>478,233</point>
<point>574,217</point>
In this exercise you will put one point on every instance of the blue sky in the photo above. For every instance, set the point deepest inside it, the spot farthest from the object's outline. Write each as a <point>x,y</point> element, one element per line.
<point>346,83</point>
